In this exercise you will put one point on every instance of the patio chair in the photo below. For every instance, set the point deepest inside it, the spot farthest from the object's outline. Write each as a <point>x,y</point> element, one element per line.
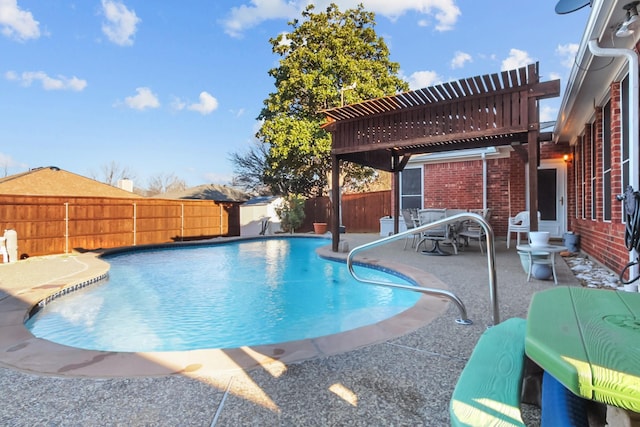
<point>435,235</point>
<point>410,217</point>
<point>473,231</point>
<point>3,250</point>
<point>519,224</point>
<point>457,226</point>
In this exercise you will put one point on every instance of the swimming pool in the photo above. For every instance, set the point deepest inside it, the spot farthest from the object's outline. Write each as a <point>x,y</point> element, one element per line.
<point>242,293</point>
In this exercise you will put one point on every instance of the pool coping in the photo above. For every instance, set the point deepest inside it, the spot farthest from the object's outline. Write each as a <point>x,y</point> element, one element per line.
<point>20,350</point>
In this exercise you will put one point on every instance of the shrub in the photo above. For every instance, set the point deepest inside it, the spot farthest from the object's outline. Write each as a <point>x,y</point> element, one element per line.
<point>291,213</point>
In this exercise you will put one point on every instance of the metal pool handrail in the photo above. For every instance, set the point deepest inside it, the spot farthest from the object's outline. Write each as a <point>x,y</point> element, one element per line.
<point>491,264</point>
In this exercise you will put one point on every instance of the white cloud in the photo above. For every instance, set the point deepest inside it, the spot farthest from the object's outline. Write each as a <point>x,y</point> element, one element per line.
<point>6,160</point>
<point>568,53</point>
<point>554,76</point>
<point>421,79</point>
<point>284,39</point>
<point>178,104</point>
<point>487,56</point>
<point>238,113</point>
<point>7,163</point>
<point>548,113</point>
<point>444,12</point>
<point>121,22</point>
<point>48,83</point>
<point>143,100</point>
<point>206,105</point>
<point>218,178</point>
<point>243,17</point>
<point>517,58</point>
<point>459,59</point>
<point>16,23</point>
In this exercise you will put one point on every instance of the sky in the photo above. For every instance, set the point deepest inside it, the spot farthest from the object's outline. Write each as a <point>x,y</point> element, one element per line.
<point>171,88</point>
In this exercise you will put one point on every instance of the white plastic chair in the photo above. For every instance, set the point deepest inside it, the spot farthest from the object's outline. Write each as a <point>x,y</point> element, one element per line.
<point>3,250</point>
<point>518,224</point>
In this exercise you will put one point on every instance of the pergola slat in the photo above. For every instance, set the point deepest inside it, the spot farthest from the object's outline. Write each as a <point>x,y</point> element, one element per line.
<point>523,75</point>
<point>480,84</point>
<point>422,96</point>
<point>513,75</point>
<point>488,83</point>
<point>505,79</point>
<point>473,87</point>
<point>497,84</point>
<point>450,90</point>
<point>432,99</point>
<point>457,89</point>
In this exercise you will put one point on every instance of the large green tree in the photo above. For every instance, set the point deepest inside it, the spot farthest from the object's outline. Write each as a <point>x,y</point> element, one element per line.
<point>327,59</point>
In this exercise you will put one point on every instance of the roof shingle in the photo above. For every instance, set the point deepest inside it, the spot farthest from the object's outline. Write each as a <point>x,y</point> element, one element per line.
<point>53,181</point>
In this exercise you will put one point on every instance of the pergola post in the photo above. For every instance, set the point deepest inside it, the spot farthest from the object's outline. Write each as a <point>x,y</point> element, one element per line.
<point>396,195</point>
<point>533,125</point>
<point>335,203</point>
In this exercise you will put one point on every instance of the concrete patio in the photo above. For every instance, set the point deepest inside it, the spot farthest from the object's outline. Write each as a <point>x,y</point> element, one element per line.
<point>403,376</point>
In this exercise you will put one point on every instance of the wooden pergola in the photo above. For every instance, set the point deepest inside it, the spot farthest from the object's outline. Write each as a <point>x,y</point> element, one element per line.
<point>483,111</point>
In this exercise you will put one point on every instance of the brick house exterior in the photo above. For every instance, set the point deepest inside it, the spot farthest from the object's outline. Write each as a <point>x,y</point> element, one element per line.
<point>459,183</point>
<point>590,130</point>
<point>599,122</point>
<point>602,239</point>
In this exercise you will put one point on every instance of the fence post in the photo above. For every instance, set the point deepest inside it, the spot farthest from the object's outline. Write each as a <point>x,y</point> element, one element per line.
<point>220,218</point>
<point>66,227</point>
<point>182,222</point>
<point>135,219</point>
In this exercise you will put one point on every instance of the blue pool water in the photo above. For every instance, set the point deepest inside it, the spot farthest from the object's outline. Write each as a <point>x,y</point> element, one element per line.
<point>219,296</point>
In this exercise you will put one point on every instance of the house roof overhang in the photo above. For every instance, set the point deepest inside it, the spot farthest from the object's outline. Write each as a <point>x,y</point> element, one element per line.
<point>591,75</point>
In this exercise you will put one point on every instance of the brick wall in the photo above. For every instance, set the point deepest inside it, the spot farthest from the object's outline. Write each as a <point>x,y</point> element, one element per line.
<point>458,185</point>
<point>602,240</point>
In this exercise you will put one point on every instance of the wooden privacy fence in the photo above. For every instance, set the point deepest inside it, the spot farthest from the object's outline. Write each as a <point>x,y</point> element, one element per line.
<point>54,225</point>
<point>361,212</point>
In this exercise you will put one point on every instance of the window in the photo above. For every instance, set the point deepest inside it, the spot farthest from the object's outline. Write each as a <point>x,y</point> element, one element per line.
<point>411,188</point>
<point>626,138</point>
<point>581,180</point>
<point>606,162</point>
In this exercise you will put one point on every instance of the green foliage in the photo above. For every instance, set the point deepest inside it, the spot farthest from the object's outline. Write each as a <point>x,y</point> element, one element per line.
<point>291,213</point>
<point>323,56</point>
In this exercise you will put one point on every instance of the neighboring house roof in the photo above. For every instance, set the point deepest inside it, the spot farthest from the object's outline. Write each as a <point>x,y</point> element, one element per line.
<point>261,200</point>
<point>591,75</point>
<point>218,193</point>
<point>53,181</point>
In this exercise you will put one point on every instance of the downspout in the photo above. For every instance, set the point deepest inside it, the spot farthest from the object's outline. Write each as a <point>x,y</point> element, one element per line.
<point>632,59</point>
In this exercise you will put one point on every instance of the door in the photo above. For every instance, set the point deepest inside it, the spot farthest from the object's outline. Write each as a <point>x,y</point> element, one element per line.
<point>552,197</point>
